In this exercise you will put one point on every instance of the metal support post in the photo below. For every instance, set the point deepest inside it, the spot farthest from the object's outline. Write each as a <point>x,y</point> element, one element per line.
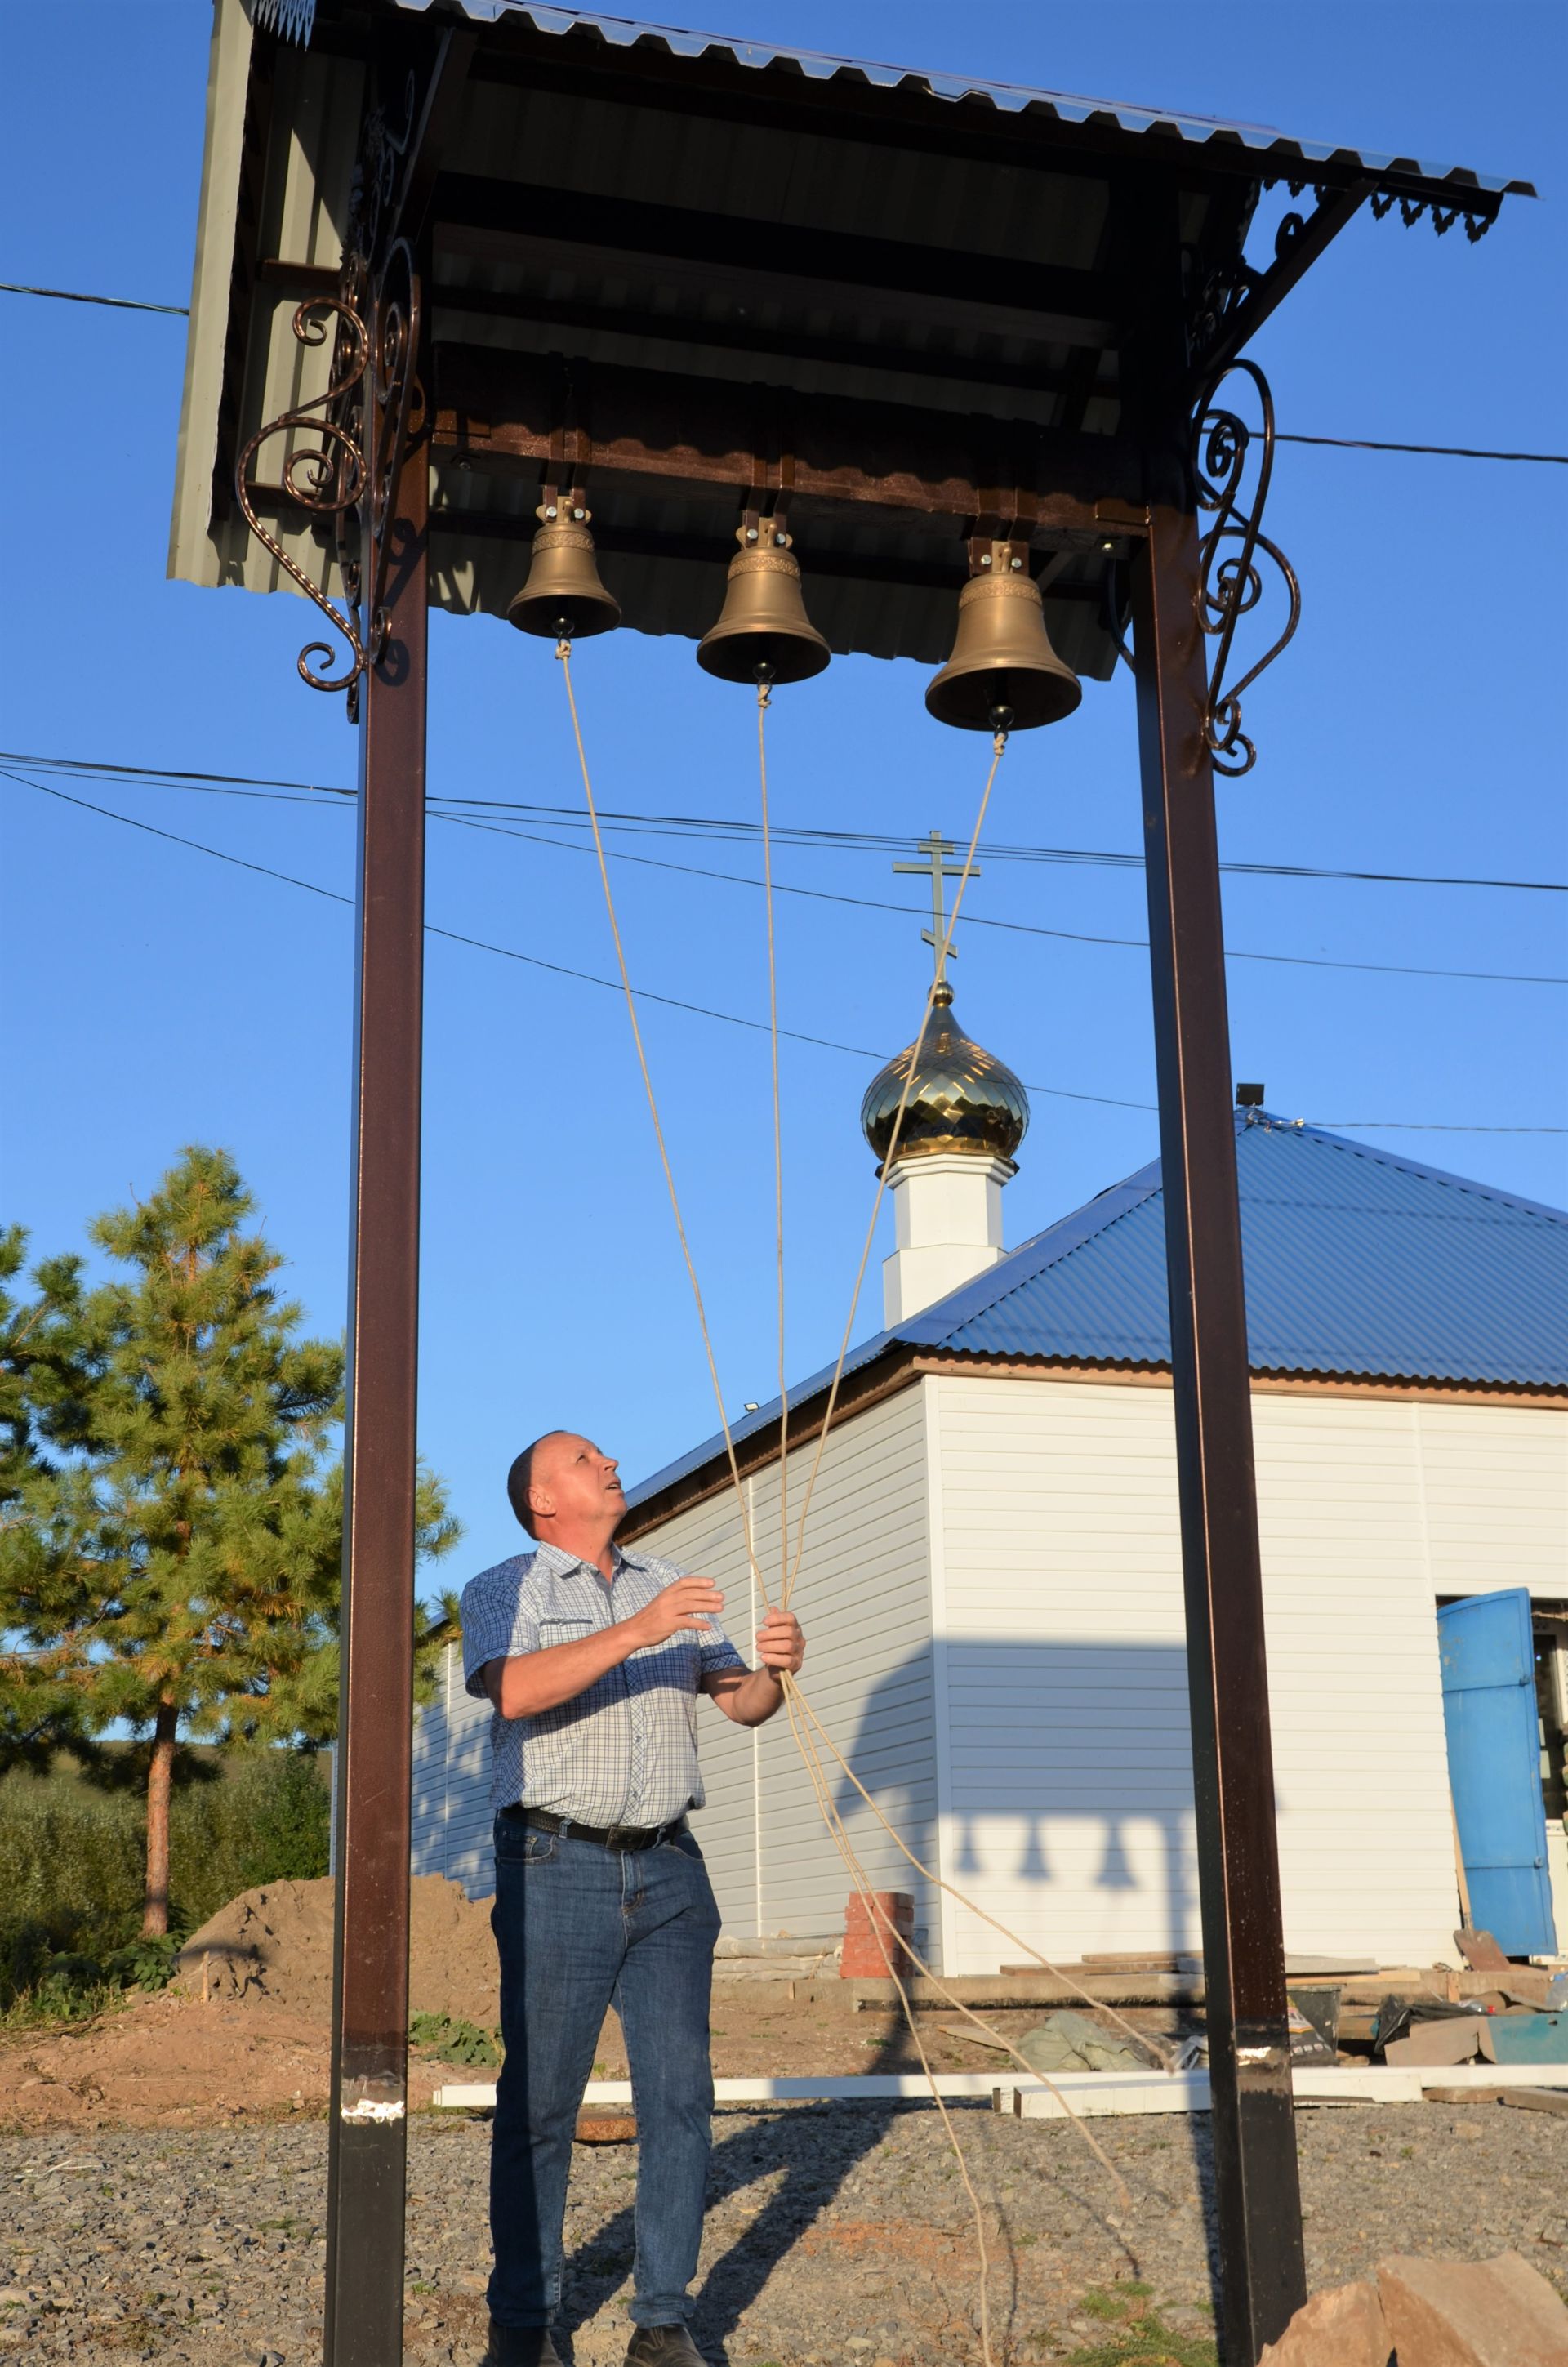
<point>367,2128</point>
<point>1262,2273</point>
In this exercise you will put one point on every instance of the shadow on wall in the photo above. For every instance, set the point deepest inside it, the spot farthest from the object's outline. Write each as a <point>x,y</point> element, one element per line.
<point>1071,1787</point>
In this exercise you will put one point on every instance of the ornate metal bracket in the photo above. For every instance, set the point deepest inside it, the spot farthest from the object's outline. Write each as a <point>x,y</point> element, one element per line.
<point>361,426</point>
<point>1411,210</point>
<point>327,478</point>
<point>1230,582</point>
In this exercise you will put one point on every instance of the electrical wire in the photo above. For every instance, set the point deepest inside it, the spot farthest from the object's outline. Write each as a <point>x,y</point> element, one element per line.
<point>977,919</point>
<point>1340,443</point>
<point>646,994</point>
<point>721,826</point>
<point>1016,928</point>
<point>1440,451</point>
<point>72,296</point>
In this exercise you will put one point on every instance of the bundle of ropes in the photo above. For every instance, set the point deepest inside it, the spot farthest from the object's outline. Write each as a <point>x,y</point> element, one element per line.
<point>815,1744</point>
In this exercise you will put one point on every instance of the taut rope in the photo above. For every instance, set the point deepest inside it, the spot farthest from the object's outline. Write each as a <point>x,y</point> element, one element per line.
<point>800,1709</point>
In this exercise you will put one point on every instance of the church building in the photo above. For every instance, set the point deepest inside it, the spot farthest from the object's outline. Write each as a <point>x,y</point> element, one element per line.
<point>991,1578</point>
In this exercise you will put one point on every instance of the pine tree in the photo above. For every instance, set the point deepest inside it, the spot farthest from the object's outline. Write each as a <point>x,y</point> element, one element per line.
<point>179,1571</point>
<point>43,1382</point>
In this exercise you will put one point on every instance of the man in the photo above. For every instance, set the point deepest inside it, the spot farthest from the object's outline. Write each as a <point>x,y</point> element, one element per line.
<point>592,1659</point>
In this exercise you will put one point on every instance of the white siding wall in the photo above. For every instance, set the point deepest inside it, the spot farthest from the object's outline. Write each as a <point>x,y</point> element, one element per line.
<point>451,1784</point>
<point>863,1596</point>
<point>992,1591</point>
<point>1058,1549</point>
<point>710,1538</point>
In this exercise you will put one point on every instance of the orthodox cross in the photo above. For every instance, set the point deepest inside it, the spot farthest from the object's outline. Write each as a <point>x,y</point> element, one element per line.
<point>933,848</point>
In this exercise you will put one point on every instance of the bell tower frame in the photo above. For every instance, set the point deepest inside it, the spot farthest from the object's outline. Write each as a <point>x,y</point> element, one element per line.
<point>1033,371</point>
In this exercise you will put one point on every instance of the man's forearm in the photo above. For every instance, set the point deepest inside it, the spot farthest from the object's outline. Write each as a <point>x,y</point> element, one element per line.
<point>752,1699</point>
<point>532,1681</point>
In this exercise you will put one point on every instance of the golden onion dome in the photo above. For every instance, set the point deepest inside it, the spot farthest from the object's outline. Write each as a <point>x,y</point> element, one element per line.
<point>962,1098</point>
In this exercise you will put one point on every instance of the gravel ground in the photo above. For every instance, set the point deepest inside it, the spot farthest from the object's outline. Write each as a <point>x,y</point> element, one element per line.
<point>838,2237</point>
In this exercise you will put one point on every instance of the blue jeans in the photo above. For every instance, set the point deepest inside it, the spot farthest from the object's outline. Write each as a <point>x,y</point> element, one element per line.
<point>580,1926</point>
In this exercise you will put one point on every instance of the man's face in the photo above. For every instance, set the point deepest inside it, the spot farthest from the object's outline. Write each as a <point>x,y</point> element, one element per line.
<point>573,1481</point>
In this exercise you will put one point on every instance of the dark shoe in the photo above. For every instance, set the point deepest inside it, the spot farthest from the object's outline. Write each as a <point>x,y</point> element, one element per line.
<point>663,2346</point>
<point>519,2345</point>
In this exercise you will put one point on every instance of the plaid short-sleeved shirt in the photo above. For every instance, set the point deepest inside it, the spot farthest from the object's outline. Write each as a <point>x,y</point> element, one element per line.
<point>624,1752</point>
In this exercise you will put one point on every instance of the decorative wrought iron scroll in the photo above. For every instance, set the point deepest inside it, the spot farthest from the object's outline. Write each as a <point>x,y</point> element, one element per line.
<point>1230,580</point>
<point>360,426</point>
<point>327,477</point>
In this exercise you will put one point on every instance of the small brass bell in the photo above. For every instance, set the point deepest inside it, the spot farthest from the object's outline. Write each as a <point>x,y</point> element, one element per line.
<point>763,633</point>
<point>1002,663</point>
<point>563,598</point>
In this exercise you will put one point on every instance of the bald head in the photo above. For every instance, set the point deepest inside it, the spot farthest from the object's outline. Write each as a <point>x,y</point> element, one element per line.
<point>565,1492</point>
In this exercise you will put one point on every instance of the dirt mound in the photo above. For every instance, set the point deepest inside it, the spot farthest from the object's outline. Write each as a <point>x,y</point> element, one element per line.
<point>274,1946</point>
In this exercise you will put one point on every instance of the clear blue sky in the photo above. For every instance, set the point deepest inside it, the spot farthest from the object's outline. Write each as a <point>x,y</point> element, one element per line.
<point>156,996</point>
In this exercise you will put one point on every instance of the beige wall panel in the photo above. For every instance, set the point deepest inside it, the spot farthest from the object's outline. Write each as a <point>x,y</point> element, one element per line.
<point>1070,1786</point>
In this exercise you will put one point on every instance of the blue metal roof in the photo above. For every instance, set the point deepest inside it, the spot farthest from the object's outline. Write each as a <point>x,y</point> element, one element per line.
<point>1359,1265</point>
<point>1273,149</point>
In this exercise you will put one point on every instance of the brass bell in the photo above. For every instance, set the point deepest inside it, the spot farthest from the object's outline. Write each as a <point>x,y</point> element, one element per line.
<point>763,634</point>
<point>563,599</point>
<point>1002,664</point>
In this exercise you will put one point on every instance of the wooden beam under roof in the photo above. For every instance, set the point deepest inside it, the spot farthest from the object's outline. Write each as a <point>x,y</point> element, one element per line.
<point>502,410</point>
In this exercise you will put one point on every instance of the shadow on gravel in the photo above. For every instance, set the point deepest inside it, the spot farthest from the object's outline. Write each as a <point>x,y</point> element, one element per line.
<point>813,2178</point>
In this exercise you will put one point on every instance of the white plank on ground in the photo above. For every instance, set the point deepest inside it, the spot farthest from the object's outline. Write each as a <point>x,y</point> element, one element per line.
<point>1095,2094</point>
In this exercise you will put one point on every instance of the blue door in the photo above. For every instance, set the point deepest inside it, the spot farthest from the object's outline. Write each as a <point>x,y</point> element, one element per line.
<point>1487,1648</point>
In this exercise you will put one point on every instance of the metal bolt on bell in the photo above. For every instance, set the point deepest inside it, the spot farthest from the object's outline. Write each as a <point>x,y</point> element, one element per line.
<point>763,633</point>
<point>1002,657</point>
<point>563,598</point>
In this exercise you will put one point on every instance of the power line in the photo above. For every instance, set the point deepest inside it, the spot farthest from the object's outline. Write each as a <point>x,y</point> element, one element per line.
<point>883,904</point>
<point>508,953</point>
<point>721,827</point>
<point>1339,443</point>
<point>829,895</point>
<point>698,1010</point>
<point>1016,928</point>
<point>1441,452</point>
<point>74,296</point>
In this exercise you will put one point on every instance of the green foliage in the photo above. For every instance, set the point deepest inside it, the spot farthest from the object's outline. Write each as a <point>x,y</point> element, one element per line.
<point>288,1816</point>
<point>1141,2337</point>
<point>170,1519</point>
<point>453,2041</point>
<point>71,1873</point>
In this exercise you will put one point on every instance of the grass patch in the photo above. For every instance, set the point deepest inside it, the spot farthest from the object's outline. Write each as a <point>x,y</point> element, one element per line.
<point>1136,2336</point>
<point>1141,2337</point>
<point>454,2040</point>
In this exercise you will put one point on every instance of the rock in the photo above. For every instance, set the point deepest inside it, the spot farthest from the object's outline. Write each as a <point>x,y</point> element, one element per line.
<point>1498,2312</point>
<point>1074,2041</point>
<point>1345,2327</point>
<point>606,2128</point>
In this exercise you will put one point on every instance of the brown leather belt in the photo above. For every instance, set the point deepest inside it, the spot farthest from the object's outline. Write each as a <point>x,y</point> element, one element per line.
<point>615,1837</point>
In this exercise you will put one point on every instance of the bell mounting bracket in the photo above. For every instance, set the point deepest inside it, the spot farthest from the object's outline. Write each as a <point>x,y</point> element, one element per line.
<point>998,555</point>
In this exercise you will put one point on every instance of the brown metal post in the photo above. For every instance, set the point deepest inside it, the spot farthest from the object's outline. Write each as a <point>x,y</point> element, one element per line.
<point>1262,2272</point>
<point>367,2128</point>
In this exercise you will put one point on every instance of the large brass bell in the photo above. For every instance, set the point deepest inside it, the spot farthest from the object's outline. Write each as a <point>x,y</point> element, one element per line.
<point>563,598</point>
<point>1003,673</point>
<point>763,633</point>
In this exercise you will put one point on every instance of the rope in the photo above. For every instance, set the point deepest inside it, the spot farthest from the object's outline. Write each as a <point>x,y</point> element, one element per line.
<point>795,1701</point>
<point>563,653</point>
<point>999,746</point>
<point>763,693</point>
<point>1164,2055</point>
